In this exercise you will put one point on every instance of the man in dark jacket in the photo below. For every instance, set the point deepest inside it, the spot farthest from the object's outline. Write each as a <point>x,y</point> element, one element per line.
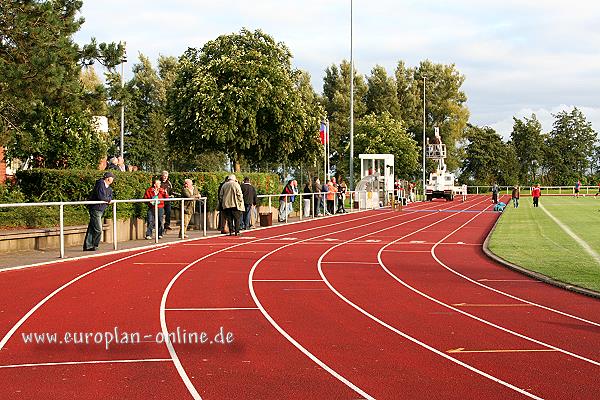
<point>250,199</point>
<point>102,192</point>
<point>166,185</point>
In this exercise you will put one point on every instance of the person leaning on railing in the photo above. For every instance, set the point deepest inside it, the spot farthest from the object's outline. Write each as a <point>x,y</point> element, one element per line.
<point>189,191</point>
<point>155,192</point>
<point>102,192</point>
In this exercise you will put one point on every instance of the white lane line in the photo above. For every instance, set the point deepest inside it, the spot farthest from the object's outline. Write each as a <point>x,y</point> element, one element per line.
<point>569,232</point>
<point>406,336</point>
<point>212,309</point>
<point>288,280</point>
<point>163,318</point>
<point>16,326</point>
<point>509,280</point>
<point>484,321</point>
<point>349,262</point>
<point>406,251</point>
<point>160,263</point>
<point>504,293</point>
<point>288,336</point>
<point>50,364</point>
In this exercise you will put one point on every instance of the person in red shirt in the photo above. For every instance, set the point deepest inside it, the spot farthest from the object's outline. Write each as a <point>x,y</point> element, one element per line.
<point>536,192</point>
<point>155,192</point>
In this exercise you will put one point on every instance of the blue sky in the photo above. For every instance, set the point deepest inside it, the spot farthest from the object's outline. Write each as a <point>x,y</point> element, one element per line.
<point>519,57</point>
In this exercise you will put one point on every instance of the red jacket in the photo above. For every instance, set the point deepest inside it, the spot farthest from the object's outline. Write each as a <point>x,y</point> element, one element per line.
<point>536,192</point>
<point>152,194</point>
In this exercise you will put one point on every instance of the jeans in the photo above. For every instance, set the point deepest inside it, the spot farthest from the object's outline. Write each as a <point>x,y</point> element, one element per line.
<point>245,223</point>
<point>515,202</point>
<point>151,221</point>
<point>167,214</point>
<point>94,230</point>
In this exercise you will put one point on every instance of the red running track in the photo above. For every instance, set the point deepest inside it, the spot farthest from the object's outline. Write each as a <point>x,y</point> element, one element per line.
<point>372,305</point>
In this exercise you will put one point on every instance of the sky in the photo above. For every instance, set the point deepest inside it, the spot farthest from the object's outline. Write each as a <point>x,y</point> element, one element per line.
<point>518,56</point>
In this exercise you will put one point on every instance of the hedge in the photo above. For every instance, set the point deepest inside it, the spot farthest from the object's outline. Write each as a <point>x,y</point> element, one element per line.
<point>44,185</point>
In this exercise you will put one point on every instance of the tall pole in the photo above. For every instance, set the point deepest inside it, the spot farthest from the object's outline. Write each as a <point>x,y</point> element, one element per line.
<point>123,59</point>
<point>328,148</point>
<point>423,138</point>
<point>351,106</point>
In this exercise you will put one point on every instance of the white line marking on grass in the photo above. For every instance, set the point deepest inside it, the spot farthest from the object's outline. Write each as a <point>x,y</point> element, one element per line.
<point>569,232</point>
<point>50,364</point>
<point>55,292</point>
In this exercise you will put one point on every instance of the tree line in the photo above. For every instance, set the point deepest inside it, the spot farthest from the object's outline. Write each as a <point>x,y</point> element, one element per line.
<point>238,100</point>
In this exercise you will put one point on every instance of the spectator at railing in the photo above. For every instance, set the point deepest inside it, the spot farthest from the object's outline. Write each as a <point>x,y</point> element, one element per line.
<point>102,192</point>
<point>155,192</point>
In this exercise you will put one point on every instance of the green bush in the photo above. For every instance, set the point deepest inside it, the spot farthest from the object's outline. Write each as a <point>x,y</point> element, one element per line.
<point>43,185</point>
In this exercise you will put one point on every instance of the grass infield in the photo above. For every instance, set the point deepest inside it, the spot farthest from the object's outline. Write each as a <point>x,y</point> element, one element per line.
<point>528,237</point>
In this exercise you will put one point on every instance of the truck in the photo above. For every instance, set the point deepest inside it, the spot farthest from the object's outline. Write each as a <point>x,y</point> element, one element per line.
<point>441,183</point>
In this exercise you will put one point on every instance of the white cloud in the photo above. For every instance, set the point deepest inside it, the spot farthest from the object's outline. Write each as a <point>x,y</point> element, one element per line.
<point>517,55</point>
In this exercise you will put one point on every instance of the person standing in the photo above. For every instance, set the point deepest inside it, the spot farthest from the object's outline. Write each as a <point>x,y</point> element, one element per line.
<point>306,199</point>
<point>577,188</point>
<point>515,196</point>
<point>166,185</point>
<point>101,192</point>
<point>189,191</point>
<point>341,193</point>
<point>331,193</point>
<point>317,197</point>
<point>250,200</point>
<point>284,199</point>
<point>233,204</point>
<point>155,192</point>
<point>121,164</point>
<point>495,191</point>
<point>536,192</point>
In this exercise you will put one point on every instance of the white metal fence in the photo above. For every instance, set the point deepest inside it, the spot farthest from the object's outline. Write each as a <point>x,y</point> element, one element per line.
<point>61,205</point>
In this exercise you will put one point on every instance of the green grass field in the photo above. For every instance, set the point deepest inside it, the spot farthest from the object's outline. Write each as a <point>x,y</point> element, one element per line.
<point>528,237</point>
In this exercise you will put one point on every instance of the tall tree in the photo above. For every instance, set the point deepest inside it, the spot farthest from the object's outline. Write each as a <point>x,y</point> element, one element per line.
<point>528,142</point>
<point>488,159</point>
<point>444,103</point>
<point>41,68</point>
<point>382,134</point>
<point>569,147</point>
<point>336,99</point>
<point>382,94</point>
<point>237,94</point>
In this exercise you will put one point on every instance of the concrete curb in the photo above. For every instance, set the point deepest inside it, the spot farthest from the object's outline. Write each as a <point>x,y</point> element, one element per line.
<point>533,274</point>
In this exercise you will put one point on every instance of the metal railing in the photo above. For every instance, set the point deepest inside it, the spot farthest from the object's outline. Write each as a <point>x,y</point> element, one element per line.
<point>545,189</point>
<point>319,198</point>
<point>62,204</point>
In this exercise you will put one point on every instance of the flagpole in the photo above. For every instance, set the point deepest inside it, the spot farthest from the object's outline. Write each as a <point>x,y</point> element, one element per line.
<point>324,156</point>
<point>328,147</point>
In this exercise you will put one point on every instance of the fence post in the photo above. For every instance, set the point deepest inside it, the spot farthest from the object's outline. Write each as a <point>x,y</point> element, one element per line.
<point>62,230</point>
<point>205,219</point>
<point>182,219</point>
<point>114,225</point>
<point>156,222</point>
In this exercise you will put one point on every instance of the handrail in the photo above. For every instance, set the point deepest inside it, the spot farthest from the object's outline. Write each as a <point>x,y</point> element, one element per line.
<point>351,194</point>
<point>62,204</point>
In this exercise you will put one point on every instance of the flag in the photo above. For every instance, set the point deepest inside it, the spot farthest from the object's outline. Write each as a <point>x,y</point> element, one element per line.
<point>323,133</point>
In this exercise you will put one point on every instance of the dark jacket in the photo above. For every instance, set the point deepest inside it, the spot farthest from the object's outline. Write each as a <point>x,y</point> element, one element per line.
<point>100,193</point>
<point>166,186</point>
<point>249,193</point>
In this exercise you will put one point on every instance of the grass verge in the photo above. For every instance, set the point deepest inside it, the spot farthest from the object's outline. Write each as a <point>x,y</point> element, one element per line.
<point>528,237</point>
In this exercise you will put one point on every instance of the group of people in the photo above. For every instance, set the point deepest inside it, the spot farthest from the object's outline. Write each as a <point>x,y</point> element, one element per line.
<point>161,189</point>
<point>236,205</point>
<point>118,164</point>
<point>323,196</point>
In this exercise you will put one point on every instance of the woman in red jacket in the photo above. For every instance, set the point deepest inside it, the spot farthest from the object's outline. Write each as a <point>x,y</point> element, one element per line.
<point>536,192</point>
<point>155,192</point>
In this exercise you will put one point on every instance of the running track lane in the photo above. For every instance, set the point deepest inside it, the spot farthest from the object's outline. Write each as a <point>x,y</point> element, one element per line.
<point>125,295</point>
